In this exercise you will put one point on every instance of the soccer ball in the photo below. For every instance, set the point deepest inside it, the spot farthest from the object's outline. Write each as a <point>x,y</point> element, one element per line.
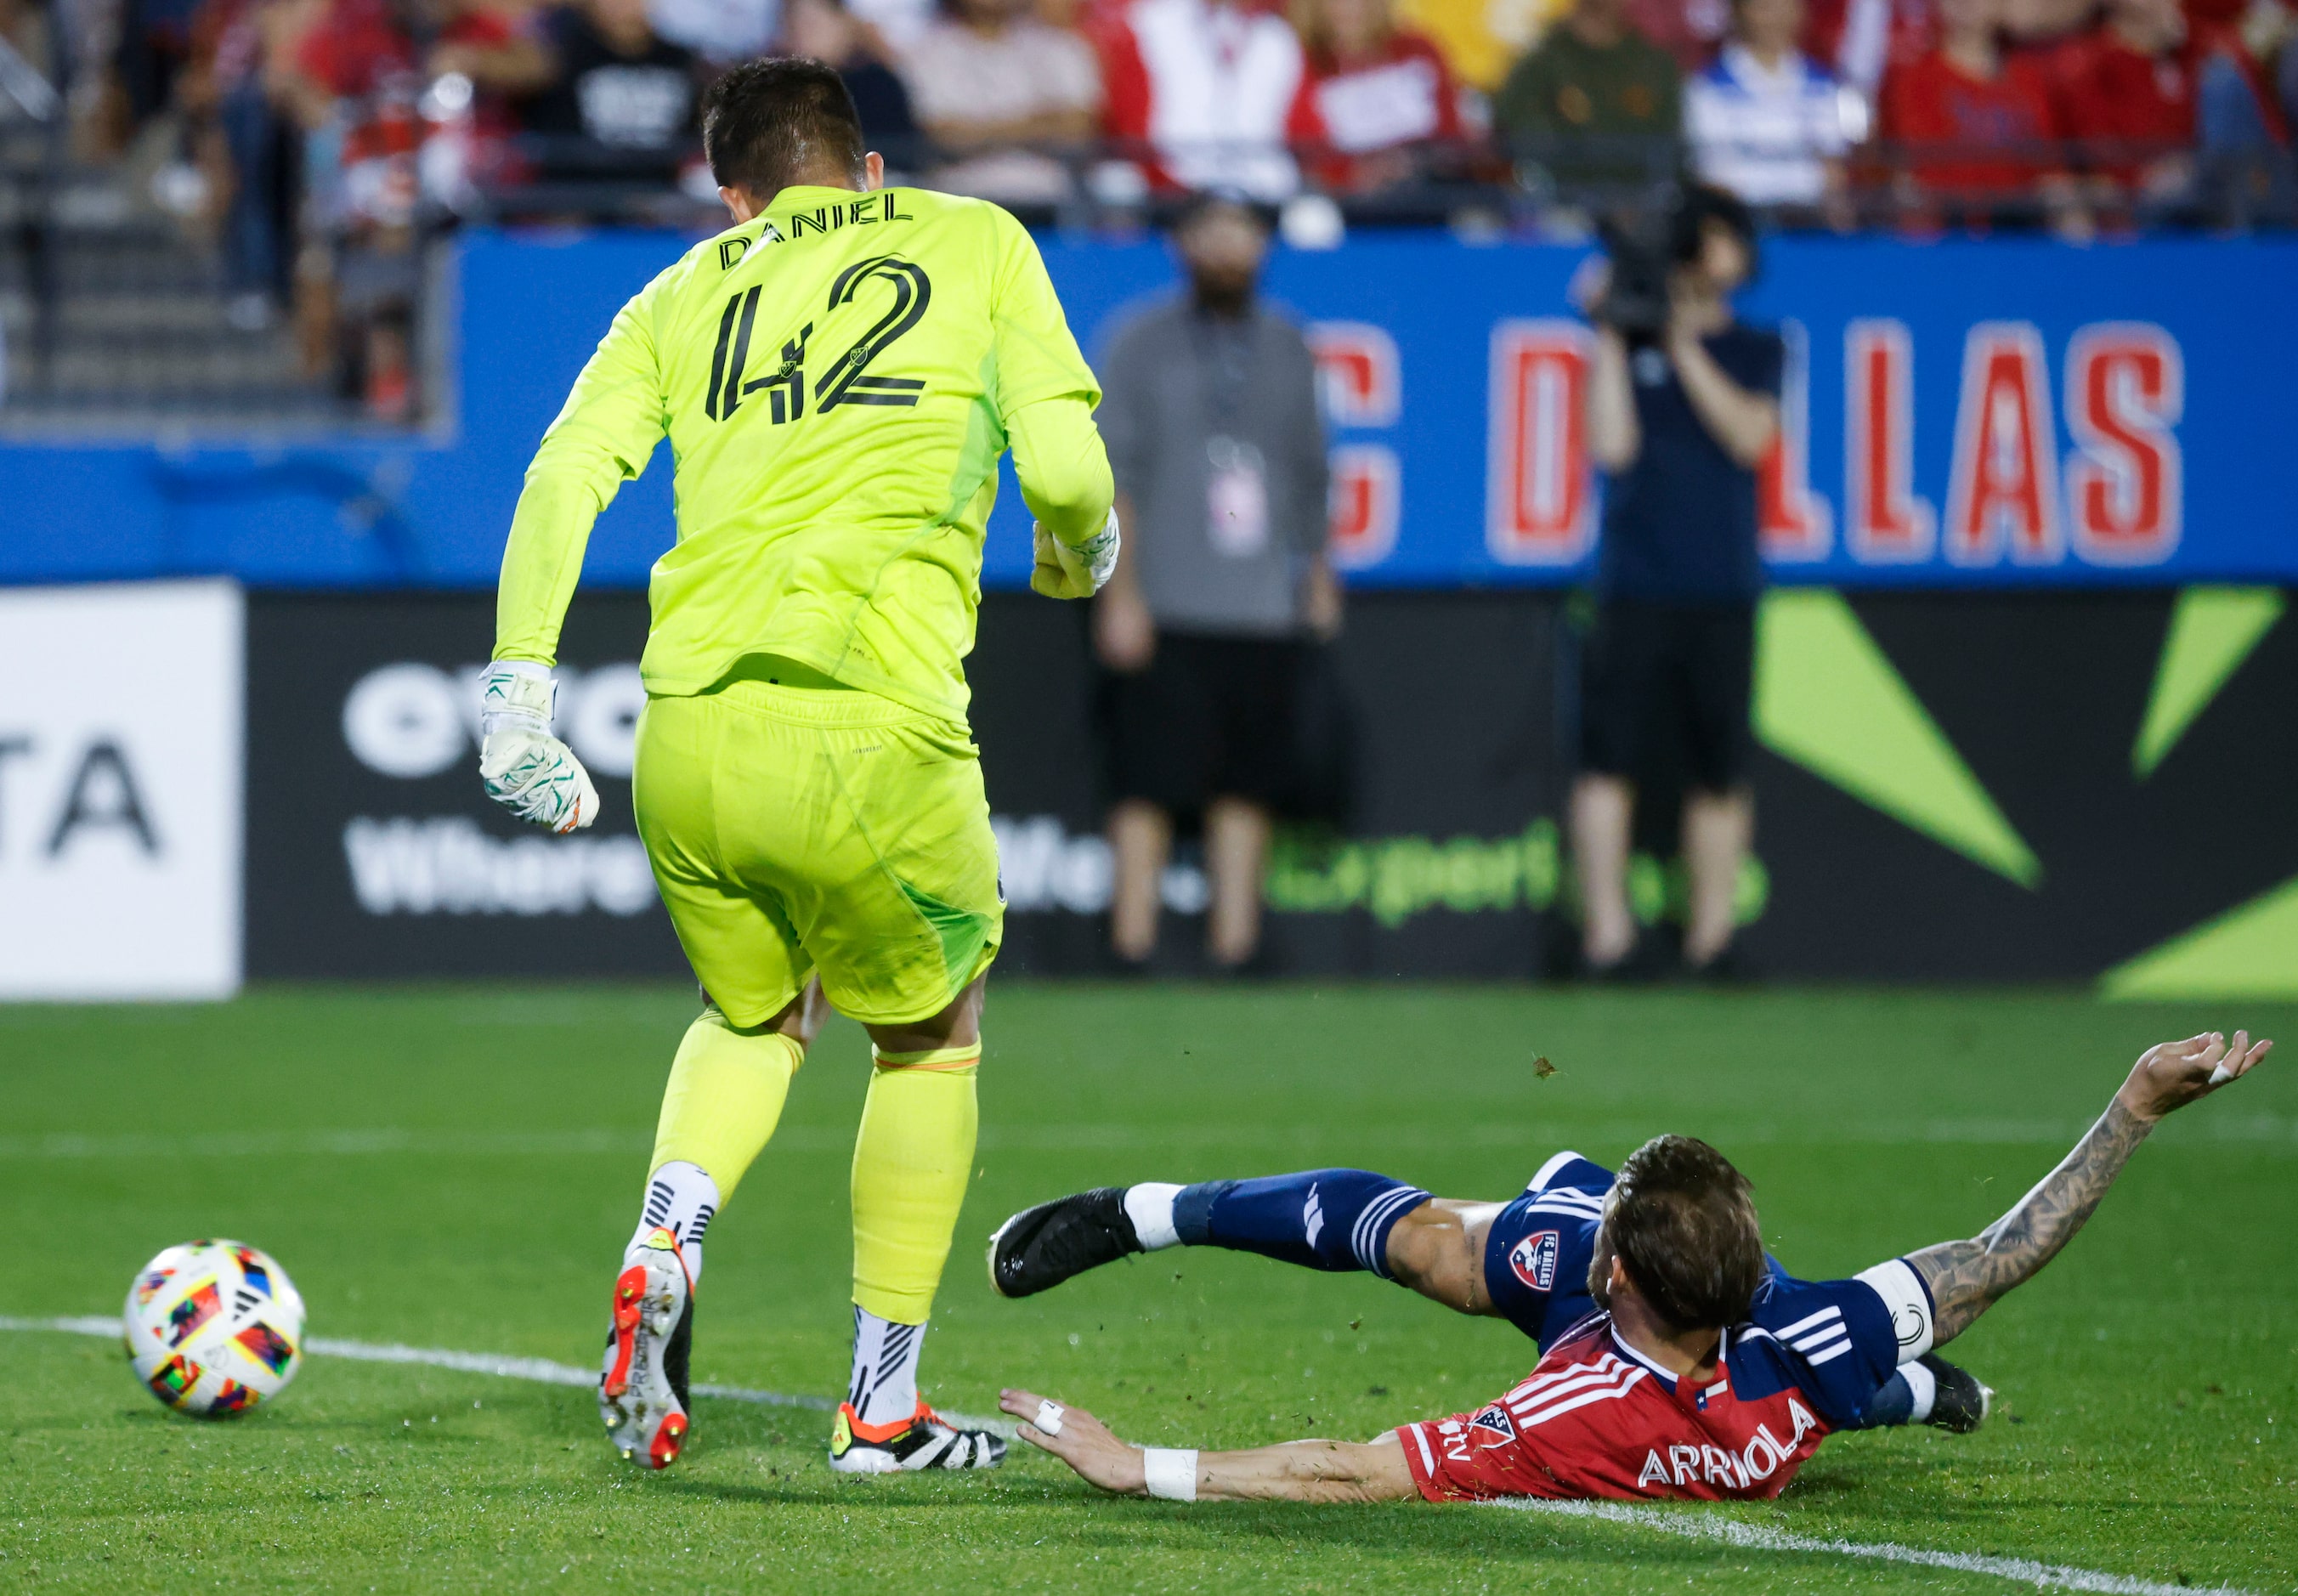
<point>214,1328</point>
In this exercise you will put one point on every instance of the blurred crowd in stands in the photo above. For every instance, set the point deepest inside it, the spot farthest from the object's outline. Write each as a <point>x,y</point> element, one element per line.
<point>317,138</point>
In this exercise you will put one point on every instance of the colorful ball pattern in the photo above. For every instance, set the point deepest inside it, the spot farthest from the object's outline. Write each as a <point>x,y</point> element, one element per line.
<point>214,1328</point>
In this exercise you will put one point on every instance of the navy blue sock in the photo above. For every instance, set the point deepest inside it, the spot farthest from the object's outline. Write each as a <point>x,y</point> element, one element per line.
<point>1322,1218</point>
<point>1894,1403</point>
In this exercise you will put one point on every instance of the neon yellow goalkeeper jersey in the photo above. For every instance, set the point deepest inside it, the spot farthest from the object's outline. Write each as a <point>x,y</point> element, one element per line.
<point>838,377</point>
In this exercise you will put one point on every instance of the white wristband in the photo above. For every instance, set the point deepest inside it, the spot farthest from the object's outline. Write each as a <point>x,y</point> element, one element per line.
<point>1170,1472</point>
<point>516,694</point>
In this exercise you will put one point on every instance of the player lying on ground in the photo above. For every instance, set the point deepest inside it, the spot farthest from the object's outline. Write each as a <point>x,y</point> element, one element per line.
<point>1525,1261</point>
<point>1702,1375</point>
<point>837,373</point>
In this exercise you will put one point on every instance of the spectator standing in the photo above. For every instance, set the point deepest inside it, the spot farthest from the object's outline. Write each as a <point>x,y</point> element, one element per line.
<point>987,81</point>
<point>624,100</point>
<point>2150,91</point>
<point>1767,123</point>
<point>247,146</point>
<point>351,84</point>
<point>1375,100</point>
<point>1677,420</point>
<point>1977,129</point>
<point>1212,422</point>
<point>1207,87</point>
<point>826,31</point>
<point>1596,106</point>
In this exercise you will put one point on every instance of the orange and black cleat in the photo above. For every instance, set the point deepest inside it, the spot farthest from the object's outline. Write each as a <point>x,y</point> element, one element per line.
<point>642,1394</point>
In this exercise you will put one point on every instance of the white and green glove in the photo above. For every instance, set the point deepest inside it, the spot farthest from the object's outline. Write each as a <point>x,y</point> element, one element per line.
<point>526,769</point>
<point>1079,572</point>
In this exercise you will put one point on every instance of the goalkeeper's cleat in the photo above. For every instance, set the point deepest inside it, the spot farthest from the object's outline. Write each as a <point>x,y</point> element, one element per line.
<point>1040,1247</point>
<point>924,1440</point>
<point>1961,1404</point>
<point>642,1388</point>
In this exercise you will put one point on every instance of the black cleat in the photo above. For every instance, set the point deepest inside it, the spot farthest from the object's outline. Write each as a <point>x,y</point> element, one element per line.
<point>1040,1247</point>
<point>1961,1404</point>
<point>924,1440</point>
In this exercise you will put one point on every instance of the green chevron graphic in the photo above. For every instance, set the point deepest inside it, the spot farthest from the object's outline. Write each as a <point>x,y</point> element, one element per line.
<point>2212,630</point>
<point>2250,951</point>
<point>1830,699</point>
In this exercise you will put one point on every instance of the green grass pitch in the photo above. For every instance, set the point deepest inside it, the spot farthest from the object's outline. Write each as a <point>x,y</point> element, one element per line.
<point>458,1166</point>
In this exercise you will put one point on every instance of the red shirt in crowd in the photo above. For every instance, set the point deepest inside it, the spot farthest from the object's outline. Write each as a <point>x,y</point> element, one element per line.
<point>1207,87</point>
<point>1344,119</point>
<point>1933,102</point>
<point>354,46</point>
<point>2112,94</point>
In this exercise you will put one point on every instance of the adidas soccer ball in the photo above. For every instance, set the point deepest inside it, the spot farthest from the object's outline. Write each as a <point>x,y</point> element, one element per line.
<point>214,1328</point>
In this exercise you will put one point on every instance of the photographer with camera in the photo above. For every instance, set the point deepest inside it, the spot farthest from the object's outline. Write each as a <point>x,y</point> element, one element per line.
<point>1683,401</point>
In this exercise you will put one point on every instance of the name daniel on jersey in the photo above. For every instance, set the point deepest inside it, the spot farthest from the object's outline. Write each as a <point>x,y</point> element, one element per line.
<point>846,381</point>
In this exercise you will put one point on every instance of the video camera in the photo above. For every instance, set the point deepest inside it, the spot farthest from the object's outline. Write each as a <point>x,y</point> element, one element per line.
<point>1645,246</point>
<point>1635,302</point>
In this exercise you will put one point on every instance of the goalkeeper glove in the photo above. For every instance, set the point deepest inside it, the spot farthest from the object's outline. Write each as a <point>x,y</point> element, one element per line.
<point>1063,572</point>
<point>526,769</point>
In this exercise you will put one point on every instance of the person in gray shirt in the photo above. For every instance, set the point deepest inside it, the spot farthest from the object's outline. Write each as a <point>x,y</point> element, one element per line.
<point>1210,418</point>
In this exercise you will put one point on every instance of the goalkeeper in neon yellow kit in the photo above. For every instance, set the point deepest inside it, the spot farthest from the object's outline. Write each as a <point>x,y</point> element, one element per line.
<point>837,373</point>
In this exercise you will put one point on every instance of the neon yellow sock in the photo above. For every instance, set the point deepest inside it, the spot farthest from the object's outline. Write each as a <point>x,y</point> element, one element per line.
<point>910,1161</point>
<point>724,1098</point>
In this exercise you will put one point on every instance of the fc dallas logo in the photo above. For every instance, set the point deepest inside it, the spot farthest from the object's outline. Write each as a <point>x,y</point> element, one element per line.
<point>1533,1259</point>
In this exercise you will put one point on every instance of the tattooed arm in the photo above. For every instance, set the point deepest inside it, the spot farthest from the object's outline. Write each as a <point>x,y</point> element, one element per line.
<point>1966,1277</point>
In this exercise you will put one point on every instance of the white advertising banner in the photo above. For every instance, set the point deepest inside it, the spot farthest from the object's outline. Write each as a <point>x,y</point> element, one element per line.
<point>121,761</point>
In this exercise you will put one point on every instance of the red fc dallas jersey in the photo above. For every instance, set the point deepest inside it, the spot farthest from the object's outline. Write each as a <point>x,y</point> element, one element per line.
<point>1598,1419</point>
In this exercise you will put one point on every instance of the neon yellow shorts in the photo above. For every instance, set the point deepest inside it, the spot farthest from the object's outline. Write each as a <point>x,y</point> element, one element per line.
<point>798,829</point>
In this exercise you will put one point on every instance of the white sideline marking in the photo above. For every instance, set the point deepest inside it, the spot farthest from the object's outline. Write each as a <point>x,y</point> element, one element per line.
<point>1689,1526</point>
<point>541,1371</point>
<point>1756,1537</point>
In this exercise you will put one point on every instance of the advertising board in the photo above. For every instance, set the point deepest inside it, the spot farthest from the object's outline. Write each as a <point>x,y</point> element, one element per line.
<point>1966,413</point>
<point>120,791</point>
<point>373,851</point>
<point>2040,786</point>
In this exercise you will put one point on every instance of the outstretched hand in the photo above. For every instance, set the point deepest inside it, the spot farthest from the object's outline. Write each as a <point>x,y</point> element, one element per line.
<point>1084,1444</point>
<point>2173,1074</point>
